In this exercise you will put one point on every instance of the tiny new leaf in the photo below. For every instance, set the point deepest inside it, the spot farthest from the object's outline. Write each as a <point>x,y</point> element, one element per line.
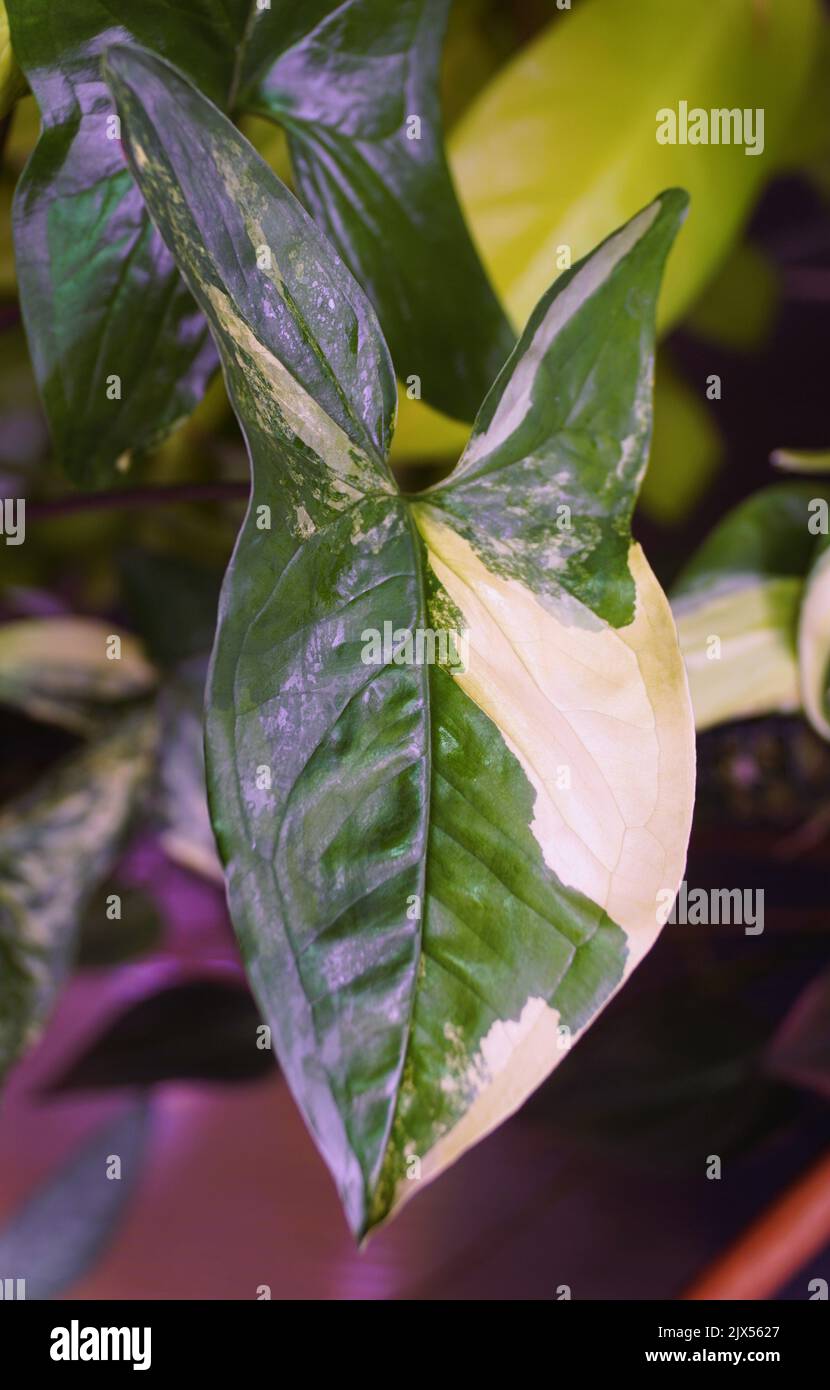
<point>450,746</point>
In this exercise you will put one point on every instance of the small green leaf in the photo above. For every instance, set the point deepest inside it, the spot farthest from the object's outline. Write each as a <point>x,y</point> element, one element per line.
<point>56,845</point>
<point>738,607</point>
<point>57,670</point>
<point>356,87</point>
<point>440,866</point>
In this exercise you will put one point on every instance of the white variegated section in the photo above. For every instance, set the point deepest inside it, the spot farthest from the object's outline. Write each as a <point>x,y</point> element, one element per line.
<point>814,644</point>
<point>611,705</point>
<point>517,401</point>
<point>272,386</point>
<point>738,643</point>
<point>514,1057</point>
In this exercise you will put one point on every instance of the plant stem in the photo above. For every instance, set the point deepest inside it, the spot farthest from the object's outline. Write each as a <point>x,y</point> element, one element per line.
<point>134,497</point>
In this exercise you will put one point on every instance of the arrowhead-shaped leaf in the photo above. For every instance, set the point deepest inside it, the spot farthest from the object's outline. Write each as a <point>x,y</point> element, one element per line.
<point>439,868</point>
<point>356,87</point>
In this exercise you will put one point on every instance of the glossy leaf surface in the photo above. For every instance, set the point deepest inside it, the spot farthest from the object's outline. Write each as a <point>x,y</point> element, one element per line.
<point>356,87</point>
<point>118,346</point>
<point>440,865</point>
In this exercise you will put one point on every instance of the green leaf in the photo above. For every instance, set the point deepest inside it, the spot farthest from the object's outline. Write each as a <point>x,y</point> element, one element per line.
<point>12,84</point>
<point>738,307</point>
<point>56,844</point>
<point>561,147</point>
<point>57,670</point>
<point>103,941</point>
<point>119,350</point>
<point>349,82</point>
<point>738,608</point>
<point>100,294</point>
<point>60,1231</point>
<point>428,913</point>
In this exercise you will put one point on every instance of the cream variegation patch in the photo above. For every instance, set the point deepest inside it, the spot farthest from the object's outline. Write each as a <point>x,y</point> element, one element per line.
<point>814,644</point>
<point>613,706</point>
<point>600,720</point>
<point>738,643</point>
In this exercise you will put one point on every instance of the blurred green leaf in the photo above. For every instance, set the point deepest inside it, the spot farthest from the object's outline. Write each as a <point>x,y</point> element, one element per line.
<point>62,1228</point>
<point>57,669</point>
<point>738,306</point>
<point>561,147</point>
<point>12,82</point>
<point>103,941</point>
<point>57,843</point>
<point>171,601</point>
<point>738,608</point>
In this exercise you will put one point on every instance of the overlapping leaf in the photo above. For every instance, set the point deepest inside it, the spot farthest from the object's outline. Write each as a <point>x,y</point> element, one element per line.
<point>356,87</point>
<point>119,349</point>
<point>449,740</point>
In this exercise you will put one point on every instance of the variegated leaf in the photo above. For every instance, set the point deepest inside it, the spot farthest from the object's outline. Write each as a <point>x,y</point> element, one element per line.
<point>450,748</point>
